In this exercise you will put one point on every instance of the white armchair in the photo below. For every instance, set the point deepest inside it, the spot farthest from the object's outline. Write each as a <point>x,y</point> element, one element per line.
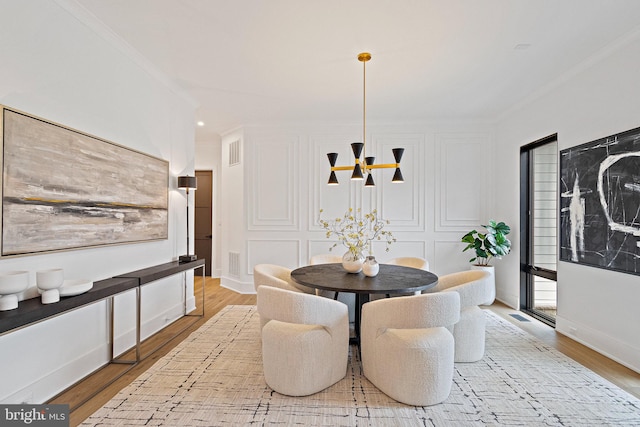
<point>278,277</point>
<point>408,261</point>
<point>407,350</point>
<point>474,288</point>
<point>305,344</point>
<point>325,259</point>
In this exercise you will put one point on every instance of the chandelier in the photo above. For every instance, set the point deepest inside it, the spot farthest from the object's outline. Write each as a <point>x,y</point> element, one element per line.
<point>364,164</point>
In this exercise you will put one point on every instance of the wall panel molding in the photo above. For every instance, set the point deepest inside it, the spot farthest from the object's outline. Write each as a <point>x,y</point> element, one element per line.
<point>448,257</point>
<point>274,192</point>
<point>462,187</point>
<point>401,204</point>
<point>272,251</point>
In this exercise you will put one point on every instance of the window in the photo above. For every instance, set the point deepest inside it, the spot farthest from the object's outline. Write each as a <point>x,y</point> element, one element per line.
<point>538,228</point>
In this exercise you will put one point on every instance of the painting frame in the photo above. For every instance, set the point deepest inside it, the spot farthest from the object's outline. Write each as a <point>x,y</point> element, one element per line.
<point>63,189</point>
<point>600,203</point>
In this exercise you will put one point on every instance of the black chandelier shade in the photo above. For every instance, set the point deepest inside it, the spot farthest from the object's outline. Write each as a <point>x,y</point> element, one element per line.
<point>366,166</point>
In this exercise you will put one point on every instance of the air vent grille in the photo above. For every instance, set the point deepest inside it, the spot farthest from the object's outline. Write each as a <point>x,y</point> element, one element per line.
<point>234,263</point>
<point>234,153</point>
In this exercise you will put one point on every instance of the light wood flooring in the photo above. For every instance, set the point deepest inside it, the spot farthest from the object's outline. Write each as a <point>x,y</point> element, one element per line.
<point>217,298</point>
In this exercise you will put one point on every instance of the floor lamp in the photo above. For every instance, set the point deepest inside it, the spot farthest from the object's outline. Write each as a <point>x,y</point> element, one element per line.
<point>187,182</point>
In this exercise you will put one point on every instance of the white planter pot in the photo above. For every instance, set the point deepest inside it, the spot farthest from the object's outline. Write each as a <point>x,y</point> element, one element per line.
<point>492,280</point>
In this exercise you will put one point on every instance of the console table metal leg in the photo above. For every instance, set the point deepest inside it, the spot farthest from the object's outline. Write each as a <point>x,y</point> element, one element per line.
<point>112,358</point>
<point>138,321</point>
<point>201,314</point>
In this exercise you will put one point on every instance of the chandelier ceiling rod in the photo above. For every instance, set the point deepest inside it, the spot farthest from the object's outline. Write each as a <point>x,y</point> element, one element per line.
<point>367,164</point>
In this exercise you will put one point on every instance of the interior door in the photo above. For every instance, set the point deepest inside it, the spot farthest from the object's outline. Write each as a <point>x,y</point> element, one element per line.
<point>538,228</point>
<point>203,217</point>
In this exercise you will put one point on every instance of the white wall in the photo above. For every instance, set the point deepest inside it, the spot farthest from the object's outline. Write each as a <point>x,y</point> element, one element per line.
<point>596,307</point>
<point>56,67</point>
<point>271,202</point>
<point>208,157</point>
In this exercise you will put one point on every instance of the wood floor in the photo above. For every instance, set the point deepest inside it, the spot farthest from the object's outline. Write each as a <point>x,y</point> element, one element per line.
<point>82,404</point>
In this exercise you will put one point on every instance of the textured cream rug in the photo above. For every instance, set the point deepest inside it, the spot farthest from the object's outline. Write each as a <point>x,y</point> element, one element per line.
<point>214,378</point>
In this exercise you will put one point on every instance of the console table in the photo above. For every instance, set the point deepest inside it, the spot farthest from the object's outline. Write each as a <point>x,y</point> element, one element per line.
<point>32,311</point>
<point>146,276</point>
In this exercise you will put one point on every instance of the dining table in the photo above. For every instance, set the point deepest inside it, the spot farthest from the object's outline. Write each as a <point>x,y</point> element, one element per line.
<point>390,280</point>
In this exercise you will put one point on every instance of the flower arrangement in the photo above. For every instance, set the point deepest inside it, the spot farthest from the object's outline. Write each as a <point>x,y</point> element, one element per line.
<point>356,231</point>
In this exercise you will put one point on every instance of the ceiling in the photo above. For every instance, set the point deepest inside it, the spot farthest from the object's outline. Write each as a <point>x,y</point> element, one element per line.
<point>258,62</point>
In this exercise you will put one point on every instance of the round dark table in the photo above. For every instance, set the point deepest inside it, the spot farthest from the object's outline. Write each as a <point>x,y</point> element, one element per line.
<point>392,279</point>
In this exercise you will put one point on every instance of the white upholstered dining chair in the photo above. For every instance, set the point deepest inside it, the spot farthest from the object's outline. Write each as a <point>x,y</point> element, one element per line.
<point>408,261</point>
<point>407,349</point>
<point>474,288</point>
<point>278,277</point>
<point>305,342</point>
<point>324,259</point>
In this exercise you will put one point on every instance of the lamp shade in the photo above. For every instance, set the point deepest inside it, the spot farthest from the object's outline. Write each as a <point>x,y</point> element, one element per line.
<point>333,179</point>
<point>187,182</point>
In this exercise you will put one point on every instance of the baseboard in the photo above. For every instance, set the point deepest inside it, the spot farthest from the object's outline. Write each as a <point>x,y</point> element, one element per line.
<point>604,344</point>
<point>237,286</point>
<point>54,382</point>
<point>191,303</point>
<point>509,303</point>
<point>127,339</point>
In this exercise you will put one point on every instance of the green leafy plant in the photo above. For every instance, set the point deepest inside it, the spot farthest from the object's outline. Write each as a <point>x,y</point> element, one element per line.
<point>492,244</point>
<point>356,231</point>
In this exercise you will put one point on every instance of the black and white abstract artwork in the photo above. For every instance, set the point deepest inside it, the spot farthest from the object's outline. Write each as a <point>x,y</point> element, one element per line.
<point>63,189</point>
<point>600,203</point>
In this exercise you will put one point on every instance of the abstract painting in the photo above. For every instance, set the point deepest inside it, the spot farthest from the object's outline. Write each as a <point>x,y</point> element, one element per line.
<point>63,189</point>
<point>600,203</point>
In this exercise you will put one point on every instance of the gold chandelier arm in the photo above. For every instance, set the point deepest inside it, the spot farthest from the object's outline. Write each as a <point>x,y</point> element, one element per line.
<point>341,168</point>
<point>384,165</point>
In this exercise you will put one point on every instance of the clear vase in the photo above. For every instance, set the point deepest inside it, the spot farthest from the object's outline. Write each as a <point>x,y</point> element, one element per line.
<point>370,267</point>
<point>352,261</point>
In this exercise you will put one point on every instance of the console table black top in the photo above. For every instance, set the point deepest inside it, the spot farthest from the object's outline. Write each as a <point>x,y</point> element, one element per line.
<point>156,272</point>
<point>391,279</point>
<point>33,310</point>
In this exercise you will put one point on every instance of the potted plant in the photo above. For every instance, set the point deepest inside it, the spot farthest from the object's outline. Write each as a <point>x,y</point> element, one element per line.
<point>492,244</point>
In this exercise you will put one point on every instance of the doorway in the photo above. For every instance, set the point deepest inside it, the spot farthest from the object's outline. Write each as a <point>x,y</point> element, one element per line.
<point>538,228</point>
<point>203,218</point>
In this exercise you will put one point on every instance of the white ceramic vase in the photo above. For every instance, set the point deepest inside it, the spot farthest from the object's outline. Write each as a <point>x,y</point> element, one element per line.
<point>11,284</point>
<point>370,268</point>
<point>48,282</point>
<point>352,262</point>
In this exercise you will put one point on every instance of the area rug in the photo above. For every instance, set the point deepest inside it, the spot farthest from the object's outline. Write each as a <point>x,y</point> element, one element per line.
<point>214,378</point>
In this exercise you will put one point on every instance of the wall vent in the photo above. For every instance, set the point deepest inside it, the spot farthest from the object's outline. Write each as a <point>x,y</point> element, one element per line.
<point>234,263</point>
<point>234,153</point>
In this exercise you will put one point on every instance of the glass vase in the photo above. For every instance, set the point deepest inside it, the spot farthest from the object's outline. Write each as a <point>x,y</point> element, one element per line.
<point>352,261</point>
